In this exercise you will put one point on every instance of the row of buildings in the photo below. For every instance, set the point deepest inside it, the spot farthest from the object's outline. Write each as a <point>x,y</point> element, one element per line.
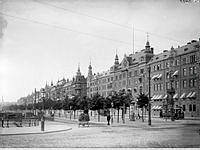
<point>177,67</point>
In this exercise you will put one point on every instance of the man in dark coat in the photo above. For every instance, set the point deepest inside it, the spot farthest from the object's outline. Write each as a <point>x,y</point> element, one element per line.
<point>108,119</point>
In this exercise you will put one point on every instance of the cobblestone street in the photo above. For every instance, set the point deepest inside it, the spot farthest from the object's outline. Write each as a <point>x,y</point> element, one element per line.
<point>101,135</point>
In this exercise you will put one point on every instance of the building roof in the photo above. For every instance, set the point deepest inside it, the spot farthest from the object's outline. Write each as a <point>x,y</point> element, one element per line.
<point>159,57</point>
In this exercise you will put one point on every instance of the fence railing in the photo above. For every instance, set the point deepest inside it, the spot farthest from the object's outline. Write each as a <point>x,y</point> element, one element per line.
<point>21,122</point>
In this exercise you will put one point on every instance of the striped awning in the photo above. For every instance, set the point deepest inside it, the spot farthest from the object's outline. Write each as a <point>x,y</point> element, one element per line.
<point>165,97</point>
<point>159,97</point>
<point>182,96</point>
<point>156,107</point>
<point>188,96</point>
<point>155,76</point>
<point>159,76</point>
<point>154,97</point>
<point>193,95</point>
<point>175,73</point>
<point>175,96</point>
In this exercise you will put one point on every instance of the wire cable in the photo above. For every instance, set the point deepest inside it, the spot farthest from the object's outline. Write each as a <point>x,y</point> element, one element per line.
<point>108,21</point>
<point>64,28</point>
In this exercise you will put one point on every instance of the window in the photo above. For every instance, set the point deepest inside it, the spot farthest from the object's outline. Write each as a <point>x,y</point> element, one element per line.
<point>194,107</point>
<point>154,87</point>
<point>176,84</point>
<point>167,85</point>
<point>111,78</point>
<point>192,58</point>
<point>141,71</point>
<point>136,73</point>
<point>191,83</point>
<point>177,62</point>
<point>130,74</point>
<point>184,71</point>
<point>116,77</point>
<point>184,61</point>
<point>142,58</point>
<point>124,75</point>
<point>120,77</point>
<point>124,83</point>
<point>167,64</point>
<point>190,107</point>
<point>108,79</point>
<point>160,86</point>
<point>194,82</point>
<point>191,70</point>
<point>154,68</point>
<point>184,108</point>
<point>129,82</point>
<point>194,70</point>
<point>167,75</point>
<point>140,89</point>
<point>159,67</point>
<point>184,83</point>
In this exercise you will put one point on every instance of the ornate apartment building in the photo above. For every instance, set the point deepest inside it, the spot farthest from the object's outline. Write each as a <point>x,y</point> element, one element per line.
<point>181,66</point>
<point>63,88</point>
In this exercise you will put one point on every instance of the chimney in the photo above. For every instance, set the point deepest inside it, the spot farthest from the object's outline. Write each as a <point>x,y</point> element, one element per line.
<point>152,50</point>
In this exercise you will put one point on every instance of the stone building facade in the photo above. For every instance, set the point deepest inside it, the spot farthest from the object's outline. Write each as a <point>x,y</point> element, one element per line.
<point>178,67</point>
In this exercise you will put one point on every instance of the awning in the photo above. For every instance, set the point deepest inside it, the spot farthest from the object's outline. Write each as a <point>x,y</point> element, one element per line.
<point>193,95</point>
<point>156,107</point>
<point>159,97</point>
<point>175,96</point>
<point>156,97</point>
<point>159,76</point>
<point>175,73</point>
<point>153,97</point>
<point>155,76</point>
<point>182,96</point>
<point>188,96</point>
<point>165,97</point>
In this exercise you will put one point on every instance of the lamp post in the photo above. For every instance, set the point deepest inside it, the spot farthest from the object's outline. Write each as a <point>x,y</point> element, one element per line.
<point>112,112</point>
<point>42,119</point>
<point>171,92</point>
<point>149,103</point>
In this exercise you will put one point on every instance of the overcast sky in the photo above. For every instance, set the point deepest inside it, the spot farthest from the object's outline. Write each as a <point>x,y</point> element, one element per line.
<point>43,40</point>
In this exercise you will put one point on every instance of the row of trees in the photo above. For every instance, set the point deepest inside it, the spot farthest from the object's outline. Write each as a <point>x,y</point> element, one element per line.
<point>118,100</point>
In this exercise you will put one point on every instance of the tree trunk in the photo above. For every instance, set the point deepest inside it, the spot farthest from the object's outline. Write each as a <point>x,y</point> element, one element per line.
<point>74,114</point>
<point>98,115</point>
<point>142,114</point>
<point>117,115</point>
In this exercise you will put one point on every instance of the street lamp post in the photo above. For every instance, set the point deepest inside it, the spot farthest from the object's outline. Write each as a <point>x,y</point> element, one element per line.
<point>42,118</point>
<point>171,92</point>
<point>149,103</point>
<point>112,113</point>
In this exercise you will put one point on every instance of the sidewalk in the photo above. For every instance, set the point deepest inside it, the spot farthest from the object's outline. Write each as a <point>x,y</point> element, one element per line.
<point>155,122</point>
<point>50,127</point>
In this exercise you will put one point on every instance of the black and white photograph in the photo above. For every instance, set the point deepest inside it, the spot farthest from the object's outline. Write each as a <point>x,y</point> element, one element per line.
<point>99,74</point>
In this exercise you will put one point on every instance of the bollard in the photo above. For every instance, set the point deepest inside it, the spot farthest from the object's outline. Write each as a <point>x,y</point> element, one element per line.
<point>7,123</point>
<point>42,124</point>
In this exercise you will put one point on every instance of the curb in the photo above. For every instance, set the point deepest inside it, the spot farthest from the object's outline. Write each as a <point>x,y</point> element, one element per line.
<point>36,132</point>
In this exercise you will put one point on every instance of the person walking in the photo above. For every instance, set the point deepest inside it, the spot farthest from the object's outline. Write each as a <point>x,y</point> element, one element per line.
<point>2,122</point>
<point>108,119</point>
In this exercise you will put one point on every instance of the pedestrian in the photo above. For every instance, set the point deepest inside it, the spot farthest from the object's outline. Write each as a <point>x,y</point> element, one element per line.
<point>2,122</point>
<point>108,119</point>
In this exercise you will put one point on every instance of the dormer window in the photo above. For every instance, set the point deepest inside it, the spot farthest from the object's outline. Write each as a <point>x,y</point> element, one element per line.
<point>185,49</point>
<point>142,58</point>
